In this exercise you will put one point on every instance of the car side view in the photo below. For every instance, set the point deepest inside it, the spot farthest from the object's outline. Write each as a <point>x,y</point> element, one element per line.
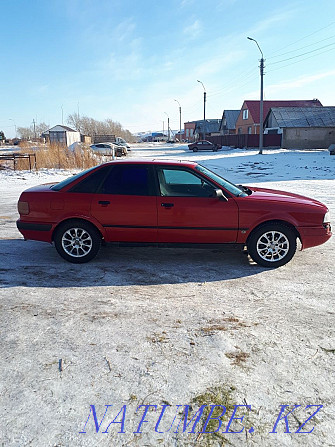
<point>203,145</point>
<point>107,149</point>
<point>171,204</point>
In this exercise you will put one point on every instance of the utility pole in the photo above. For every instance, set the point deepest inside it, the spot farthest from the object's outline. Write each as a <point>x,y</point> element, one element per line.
<point>204,136</point>
<point>179,118</point>
<point>168,126</point>
<point>34,128</point>
<point>261,117</point>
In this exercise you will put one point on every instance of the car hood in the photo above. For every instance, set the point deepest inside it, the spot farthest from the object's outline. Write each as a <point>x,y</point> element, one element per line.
<point>283,197</point>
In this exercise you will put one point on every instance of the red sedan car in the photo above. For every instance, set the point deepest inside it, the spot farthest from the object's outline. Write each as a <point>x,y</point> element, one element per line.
<point>204,145</point>
<point>169,203</point>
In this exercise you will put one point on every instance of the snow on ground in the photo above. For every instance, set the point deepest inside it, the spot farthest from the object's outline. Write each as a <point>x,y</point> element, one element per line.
<point>163,326</point>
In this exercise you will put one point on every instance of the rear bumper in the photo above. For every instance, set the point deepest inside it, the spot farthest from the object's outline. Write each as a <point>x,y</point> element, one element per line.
<point>35,231</point>
<point>313,236</point>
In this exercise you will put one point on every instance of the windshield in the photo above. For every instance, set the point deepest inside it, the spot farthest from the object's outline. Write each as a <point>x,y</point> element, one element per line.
<point>69,180</point>
<point>233,189</point>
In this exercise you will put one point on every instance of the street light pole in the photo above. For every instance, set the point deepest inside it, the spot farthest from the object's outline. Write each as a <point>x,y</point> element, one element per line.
<point>204,137</point>
<point>179,118</point>
<point>168,123</point>
<point>261,99</point>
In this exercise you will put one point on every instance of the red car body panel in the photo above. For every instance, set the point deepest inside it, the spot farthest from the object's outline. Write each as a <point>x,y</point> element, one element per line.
<point>131,220</point>
<point>153,218</point>
<point>197,220</point>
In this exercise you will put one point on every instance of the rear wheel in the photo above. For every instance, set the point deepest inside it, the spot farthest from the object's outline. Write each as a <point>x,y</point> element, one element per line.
<point>77,241</point>
<point>272,245</point>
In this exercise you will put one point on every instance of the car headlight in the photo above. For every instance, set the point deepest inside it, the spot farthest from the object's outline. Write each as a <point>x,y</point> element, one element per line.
<point>326,219</point>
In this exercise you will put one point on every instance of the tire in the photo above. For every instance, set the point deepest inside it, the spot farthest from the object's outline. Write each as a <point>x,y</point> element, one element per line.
<point>195,149</point>
<point>272,245</point>
<point>77,241</point>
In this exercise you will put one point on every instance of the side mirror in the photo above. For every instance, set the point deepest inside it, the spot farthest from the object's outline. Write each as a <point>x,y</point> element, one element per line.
<point>219,194</point>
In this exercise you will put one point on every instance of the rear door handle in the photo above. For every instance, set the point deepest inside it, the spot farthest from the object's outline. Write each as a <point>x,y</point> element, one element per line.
<point>167,205</point>
<point>104,202</point>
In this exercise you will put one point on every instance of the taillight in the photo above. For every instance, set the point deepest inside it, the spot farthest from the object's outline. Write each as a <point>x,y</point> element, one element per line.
<point>23,207</point>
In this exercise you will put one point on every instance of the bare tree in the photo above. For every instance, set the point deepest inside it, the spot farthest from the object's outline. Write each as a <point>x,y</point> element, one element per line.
<point>27,133</point>
<point>91,127</point>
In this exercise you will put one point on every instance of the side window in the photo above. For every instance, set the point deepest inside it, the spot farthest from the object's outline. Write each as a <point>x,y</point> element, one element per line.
<point>128,180</point>
<point>91,183</point>
<point>182,183</point>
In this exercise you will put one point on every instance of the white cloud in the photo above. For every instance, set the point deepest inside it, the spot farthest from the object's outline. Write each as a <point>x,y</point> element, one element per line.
<point>194,29</point>
<point>299,82</point>
<point>186,3</point>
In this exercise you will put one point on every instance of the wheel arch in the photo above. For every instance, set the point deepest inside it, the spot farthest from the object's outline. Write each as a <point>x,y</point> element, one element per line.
<point>80,219</point>
<point>275,222</point>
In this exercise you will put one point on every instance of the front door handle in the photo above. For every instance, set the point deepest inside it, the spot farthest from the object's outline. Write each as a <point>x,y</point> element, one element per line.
<point>104,202</point>
<point>167,205</point>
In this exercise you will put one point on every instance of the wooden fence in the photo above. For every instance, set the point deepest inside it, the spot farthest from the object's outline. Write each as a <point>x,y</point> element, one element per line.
<point>246,140</point>
<point>15,157</point>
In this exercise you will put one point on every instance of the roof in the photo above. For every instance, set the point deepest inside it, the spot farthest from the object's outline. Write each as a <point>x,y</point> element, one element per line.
<point>231,118</point>
<point>60,128</point>
<point>154,161</point>
<point>211,125</point>
<point>253,106</point>
<point>304,116</point>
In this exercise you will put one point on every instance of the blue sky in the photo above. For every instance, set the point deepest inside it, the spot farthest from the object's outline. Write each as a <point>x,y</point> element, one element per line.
<point>128,60</point>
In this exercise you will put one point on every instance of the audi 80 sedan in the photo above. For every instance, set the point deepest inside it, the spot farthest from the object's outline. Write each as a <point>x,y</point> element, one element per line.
<point>169,203</point>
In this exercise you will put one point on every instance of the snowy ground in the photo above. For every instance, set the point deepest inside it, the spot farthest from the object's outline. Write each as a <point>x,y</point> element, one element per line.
<point>141,326</point>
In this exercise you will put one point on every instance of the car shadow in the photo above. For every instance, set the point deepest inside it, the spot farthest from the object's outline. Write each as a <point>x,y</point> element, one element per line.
<point>37,264</point>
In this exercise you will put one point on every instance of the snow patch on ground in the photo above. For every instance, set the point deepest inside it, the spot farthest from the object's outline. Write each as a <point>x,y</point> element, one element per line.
<point>163,326</point>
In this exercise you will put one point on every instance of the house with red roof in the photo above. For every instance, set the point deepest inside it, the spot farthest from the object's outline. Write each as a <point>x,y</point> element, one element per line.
<point>249,117</point>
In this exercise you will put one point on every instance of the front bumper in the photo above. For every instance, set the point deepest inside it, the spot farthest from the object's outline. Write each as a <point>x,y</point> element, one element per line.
<point>314,236</point>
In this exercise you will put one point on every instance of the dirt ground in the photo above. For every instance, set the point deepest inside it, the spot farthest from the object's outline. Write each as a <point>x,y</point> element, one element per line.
<point>167,328</point>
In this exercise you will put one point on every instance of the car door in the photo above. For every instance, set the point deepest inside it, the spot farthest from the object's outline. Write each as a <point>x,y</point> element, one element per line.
<point>126,204</point>
<point>189,210</point>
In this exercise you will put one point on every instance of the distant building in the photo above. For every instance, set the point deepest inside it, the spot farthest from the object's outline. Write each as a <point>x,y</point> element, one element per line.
<point>302,127</point>
<point>249,117</point>
<point>62,135</point>
<point>189,130</point>
<point>210,127</point>
<point>228,122</point>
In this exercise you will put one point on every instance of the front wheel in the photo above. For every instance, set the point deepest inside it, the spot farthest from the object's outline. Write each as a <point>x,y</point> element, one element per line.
<point>77,241</point>
<point>272,245</point>
<point>195,149</point>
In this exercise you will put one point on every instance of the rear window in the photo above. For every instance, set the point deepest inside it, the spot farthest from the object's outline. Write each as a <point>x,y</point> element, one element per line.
<point>128,180</point>
<point>69,180</point>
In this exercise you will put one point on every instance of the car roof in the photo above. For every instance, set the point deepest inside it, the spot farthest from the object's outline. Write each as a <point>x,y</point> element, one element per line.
<point>160,161</point>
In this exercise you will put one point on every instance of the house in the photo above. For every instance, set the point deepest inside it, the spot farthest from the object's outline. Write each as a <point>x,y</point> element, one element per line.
<point>189,130</point>
<point>62,135</point>
<point>249,117</point>
<point>228,122</point>
<point>302,127</point>
<point>210,128</point>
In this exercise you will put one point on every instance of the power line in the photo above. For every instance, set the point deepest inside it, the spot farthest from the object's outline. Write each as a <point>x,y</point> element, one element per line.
<point>305,37</point>
<point>296,62</point>
<point>302,54</point>
<point>301,48</point>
